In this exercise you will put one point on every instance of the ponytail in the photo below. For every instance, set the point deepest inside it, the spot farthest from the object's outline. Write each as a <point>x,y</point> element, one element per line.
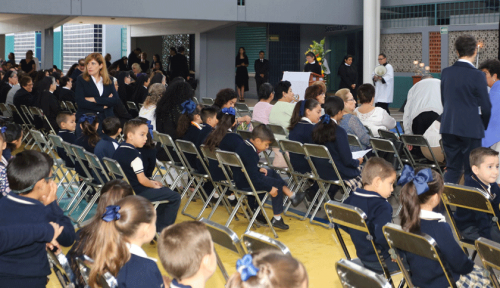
<point>186,118</point>
<point>226,121</point>
<point>325,130</point>
<point>88,122</point>
<point>108,246</point>
<point>300,111</point>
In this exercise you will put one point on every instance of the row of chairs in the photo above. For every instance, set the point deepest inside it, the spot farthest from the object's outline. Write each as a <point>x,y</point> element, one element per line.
<point>352,273</point>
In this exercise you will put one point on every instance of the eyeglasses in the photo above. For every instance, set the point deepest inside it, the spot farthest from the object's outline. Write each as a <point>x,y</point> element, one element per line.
<point>381,59</point>
<point>348,100</point>
<point>47,179</point>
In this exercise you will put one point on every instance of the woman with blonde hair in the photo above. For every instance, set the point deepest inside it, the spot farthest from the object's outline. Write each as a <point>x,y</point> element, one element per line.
<point>148,110</point>
<point>95,92</point>
<point>350,122</point>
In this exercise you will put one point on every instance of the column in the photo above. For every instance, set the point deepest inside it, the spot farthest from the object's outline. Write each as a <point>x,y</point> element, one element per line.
<point>47,58</point>
<point>369,40</point>
<point>377,27</point>
<point>2,47</point>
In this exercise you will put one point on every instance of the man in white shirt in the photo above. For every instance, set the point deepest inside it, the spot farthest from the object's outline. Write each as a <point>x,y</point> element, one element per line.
<point>384,85</point>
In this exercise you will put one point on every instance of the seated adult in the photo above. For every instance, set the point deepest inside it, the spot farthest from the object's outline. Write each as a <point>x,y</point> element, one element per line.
<point>23,96</point>
<point>49,104</point>
<point>350,122</point>
<point>423,106</point>
<point>283,109</point>
<point>372,117</point>
<point>9,80</point>
<point>433,137</point>
<point>148,110</point>
<point>226,98</point>
<point>262,109</point>
<point>66,93</point>
<point>316,92</point>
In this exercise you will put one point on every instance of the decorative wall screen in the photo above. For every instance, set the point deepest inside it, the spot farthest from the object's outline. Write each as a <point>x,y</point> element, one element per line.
<point>489,39</point>
<point>402,50</point>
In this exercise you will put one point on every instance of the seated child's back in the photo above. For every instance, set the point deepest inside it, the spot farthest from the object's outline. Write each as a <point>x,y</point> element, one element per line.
<point>67,125</point>
<point>107,145</point>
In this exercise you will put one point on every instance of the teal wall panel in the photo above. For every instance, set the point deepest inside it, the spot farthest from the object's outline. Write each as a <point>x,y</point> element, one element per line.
<point>9,45</point>
<point>254,39</point>
<point>58,49</point>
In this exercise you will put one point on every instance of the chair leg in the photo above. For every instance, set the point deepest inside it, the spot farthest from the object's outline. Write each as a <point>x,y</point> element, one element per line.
<point>402,283</point>
<point>324,192</point>
<point>88,207</point>
<point>261,206</point>
<point>238,204</point>
<point>191,198</point>
<point>73,199</point>
<point>80,200</point>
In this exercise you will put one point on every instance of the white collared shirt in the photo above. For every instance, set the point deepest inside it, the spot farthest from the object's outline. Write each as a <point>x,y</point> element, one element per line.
<point>347,64</point>
<point>314,62</point>
<point>466,61</point>
<point>430,215</point>
<point>136,250</point>
<point>306,119</point>
<point>65,88</point>
<point>99,85</point>
<point>334,120</point>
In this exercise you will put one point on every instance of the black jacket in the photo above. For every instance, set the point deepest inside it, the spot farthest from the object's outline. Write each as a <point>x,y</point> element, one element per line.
<point>315,68</point>
<point>261,68</point>
<point>179,66</point>
<point>67,95</point>
<point>348,76</point>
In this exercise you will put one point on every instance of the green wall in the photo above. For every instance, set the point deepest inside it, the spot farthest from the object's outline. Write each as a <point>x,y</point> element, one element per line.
<point>58,49</point>
<point>9,45</point>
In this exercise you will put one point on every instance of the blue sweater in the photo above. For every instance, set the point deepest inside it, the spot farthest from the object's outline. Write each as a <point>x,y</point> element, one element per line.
<point>30,260</point>
<point>13,237</point>
<point>428,273</point>
<point>70,137</point>
<point>83,141</point>
<point>465,218</point>
<point>342,157</point>
<point>205,131</point>
<point>302,132</point>
<point>378,212</point>
<point>105,147</point>
<point>139,272</point>
<point>229,143</point>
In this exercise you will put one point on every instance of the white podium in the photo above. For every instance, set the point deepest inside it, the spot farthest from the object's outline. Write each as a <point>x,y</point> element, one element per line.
<point>300,81</point>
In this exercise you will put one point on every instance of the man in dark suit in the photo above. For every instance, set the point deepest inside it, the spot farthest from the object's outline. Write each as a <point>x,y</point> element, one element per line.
<point>179,66</point>
<point>466,109</point>
<point>66,93</point>
<point>134,58</point>
<point>261,68</point>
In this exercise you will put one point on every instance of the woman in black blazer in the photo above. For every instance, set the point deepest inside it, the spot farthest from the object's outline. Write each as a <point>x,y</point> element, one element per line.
<point>90,98</point>
<point>141,89</point>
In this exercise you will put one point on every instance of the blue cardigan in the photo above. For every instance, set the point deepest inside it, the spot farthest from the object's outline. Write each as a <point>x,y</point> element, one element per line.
<point>302,132</point>
<point>465,218</point>
<point>13,237</point>
<point>105,147</point>
<point>378,212</point>
<point>30,260</point>
<point>229,143</point>
<point>341,155</point>
<point>202,136</point>
<point>139,272</point>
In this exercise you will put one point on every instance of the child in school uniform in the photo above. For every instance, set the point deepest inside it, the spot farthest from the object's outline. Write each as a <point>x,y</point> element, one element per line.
<point>209,118</point>
<point>420,194</point>
<point>125,227</point>
<point>187,240</point>
<point>378,178</point>
<point>271,267</point>
<point>189,126</point>
<point>148,151</point>
<point>14,138</point>
<point>88,138</point>
<point>328,133</point>
<point>264,179</point>
<point>472,224</point>
<point>4,182</point>
<point>67,125</point>
<point>107,145</point>
<point>31,201</point>
<point>128,156</point>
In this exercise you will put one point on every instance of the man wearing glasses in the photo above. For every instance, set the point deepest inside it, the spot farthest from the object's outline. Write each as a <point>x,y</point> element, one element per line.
<point>384,85</point>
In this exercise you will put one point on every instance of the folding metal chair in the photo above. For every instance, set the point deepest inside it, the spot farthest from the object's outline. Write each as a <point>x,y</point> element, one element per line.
<point>402,127</point>
<point>56,142</point>
<point>198,178</point>
<point>233,161</point>
<point>207,101</point>
<point>71,106</point>
<point>468,198</point>
<point>26,123</point>
<point>242,109</point>
<point>131,106</point>
<point>420,141</point>
<point>85,265</point>
<point>71,154</point>
<point>385,134</point>
<point>225,238</point>
<point>45,146</point>
<point>253,242</point>
<point>27,114</point>
<point>354,275</point>
<point>369,131</point>
<point>166,143</point>
<point>420,244</point>
<point>489,251</point>
<point>116,172</point>
<point>278,131</point>
<point>321,152</point>
<point>35,111</point>
<point>354,141</point>
<point>5,110</point>
<point>57,267</point>
<point>340,214</point>
<point>255,123</point>
<point>63,106</point>
<point>384,145</point>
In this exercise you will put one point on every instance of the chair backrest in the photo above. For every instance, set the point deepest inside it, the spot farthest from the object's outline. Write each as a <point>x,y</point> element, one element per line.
<point>63,106</point>
<point>5,110</point>
<point>114,169</point>
<point>207,101</point>
<point>187,147</point>
<point>422,245</point>
<point>95,164</point>
<point>39,138</point>
<point>321,152</point>
<point>85,265</point>
<point>224,237</point>
<point>70,106</point>
<point>369,131</point>
<point>244,134</point>
<point>385,145</point>
<point>35,111</point>
<point>69,151</point>
<point>402,126</point>
<point>489,251</point>
<point>241,107</point>
<point>131,106</point>
<point>278,130</point>
<point>254,242</point>
<point>208,154</point>
<point>26,112</point>
<point>62,276</point>
<point>79,153</point>
<point>14,110</point>
<point>385,134</point>
<point>420,141</point>
<point>167,141</point>
<point>255,123</point>
<point>354,275</point>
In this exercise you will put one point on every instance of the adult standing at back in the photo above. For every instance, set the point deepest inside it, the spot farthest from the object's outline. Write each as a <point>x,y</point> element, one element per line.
<point>466,109</point>
<point>241,73</point>
<point>348,76</point>
<point>179,65</point>
<point>28,64</point>
<point>78,71</point>
<point>261,67</point>
<point>133,57</point>
<point>384,85</point>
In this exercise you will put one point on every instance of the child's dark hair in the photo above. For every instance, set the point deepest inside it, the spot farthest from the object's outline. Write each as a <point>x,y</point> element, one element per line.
<point>224,96</point>
<point>63,117</point>
<point>325,132</point>
<point>265,91</point>
<point>226,121</point>
<point>411,201</point>
<point>477,155</point>
<point>309,104</point>
<point>89,129</point>
<point>132,125</point>
<point>376,167</point>
<point>185,120</point>
<point>27,168</point>
<point>12,133</point>
<point>111,125</point>
<point>208,112</point>
<point>366,92</point>
<point>275,269</point>
<point>150,144</point>
<point>111,251</point>
<point>263,133</point>
<point>182,246</point>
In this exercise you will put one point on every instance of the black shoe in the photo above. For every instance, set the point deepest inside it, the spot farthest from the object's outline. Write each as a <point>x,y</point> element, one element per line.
<point>279,224</point>
<point>233,202</point>
<point>214,200</point>
<point>310,193</point>
<point>299,197</point>
<point>261,219</point>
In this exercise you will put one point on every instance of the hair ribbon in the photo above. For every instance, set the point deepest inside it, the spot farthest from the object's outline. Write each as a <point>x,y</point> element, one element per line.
<point>302,108</point>
<point>246,268</point>
<point>325,119</point>
<point>229,111</point>
<point>87,118</point>
<point>111,213</point>
<point>188,106</point>
<point>3,129</point>
<point>150,127</point>
<point>420,179</point>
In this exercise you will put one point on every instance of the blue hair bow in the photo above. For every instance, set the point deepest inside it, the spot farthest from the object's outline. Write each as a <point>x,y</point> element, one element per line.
<point>229,111</point>
<point>3,129</point>
<point>111,213</point>
<point>420,180</point>
<point>87,118</point>
<point>188,106</point>
<point>150,127</point>
<point>325,119</point>
<point>246,268</point>
<point>302,108</point>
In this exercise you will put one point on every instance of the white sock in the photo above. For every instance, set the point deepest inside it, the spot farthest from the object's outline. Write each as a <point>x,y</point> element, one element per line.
<point>277,217</point>
<point>231,197</point>
<point>216,196</point>
<point>293,195</point>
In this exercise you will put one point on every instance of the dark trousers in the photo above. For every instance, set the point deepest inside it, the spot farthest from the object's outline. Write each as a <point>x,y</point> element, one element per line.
<point>277,202</point>
<point>457,150</point>
<point>259,81</point>
<point>384,106</point>
<point>165,213</point>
